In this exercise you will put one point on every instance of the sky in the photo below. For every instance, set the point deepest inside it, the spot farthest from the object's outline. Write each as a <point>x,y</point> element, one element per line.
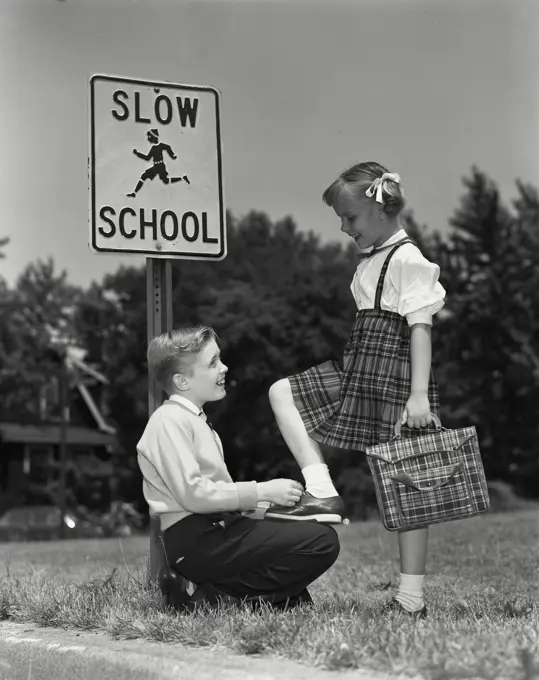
<point>308,88</point>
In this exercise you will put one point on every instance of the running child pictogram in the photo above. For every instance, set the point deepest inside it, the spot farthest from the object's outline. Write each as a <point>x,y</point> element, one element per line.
<point>155,154</point>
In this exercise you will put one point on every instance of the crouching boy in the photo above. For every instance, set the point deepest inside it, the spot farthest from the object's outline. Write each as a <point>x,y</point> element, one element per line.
<point>208,539</point>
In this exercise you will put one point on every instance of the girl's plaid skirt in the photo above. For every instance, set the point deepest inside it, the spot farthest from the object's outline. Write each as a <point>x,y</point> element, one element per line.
<point>356,402</point>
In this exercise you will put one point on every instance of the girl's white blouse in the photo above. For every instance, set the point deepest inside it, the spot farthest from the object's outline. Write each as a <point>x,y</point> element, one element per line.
<point>411,287</point>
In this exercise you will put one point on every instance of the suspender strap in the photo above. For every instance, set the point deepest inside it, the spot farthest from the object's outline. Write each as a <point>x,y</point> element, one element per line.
<point>381,280</point>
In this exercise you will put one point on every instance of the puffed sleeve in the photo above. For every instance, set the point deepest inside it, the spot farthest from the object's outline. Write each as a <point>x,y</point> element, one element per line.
<point>415,279</point>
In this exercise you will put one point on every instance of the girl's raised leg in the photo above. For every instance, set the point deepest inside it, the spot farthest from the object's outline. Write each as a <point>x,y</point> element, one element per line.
<point>305,450</point>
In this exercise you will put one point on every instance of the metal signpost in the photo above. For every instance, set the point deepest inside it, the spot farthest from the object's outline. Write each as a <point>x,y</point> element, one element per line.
<point>156,189</point>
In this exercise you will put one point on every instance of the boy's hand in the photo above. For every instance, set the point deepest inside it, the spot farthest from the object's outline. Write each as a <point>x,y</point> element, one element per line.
<point>280,491</point>
<point>417,412</point>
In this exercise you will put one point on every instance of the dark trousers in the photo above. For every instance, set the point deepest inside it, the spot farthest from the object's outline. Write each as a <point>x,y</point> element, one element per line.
<point>251,558</point>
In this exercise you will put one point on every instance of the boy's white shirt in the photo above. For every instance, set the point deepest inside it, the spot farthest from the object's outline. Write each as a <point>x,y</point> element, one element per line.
<point>411,286</point>
<point>183,468</point>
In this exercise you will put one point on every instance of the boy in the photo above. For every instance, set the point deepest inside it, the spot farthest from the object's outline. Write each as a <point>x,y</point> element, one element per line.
<point>207,539</point>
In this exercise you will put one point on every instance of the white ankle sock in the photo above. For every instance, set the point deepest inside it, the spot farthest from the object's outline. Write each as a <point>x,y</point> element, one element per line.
<point>318,481</point>
<point>410,592</point>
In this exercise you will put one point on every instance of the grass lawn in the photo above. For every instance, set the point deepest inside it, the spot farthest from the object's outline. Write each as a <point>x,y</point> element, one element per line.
<point>481,587</point>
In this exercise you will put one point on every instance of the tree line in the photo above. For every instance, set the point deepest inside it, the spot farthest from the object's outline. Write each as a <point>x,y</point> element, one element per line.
<point>281,302</point>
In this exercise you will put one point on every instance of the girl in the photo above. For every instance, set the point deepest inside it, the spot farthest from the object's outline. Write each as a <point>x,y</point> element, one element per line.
<point>386,372</point>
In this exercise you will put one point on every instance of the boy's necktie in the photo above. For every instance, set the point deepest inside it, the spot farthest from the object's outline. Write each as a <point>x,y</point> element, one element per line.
<point>206,420</point>
<point>213,432</point>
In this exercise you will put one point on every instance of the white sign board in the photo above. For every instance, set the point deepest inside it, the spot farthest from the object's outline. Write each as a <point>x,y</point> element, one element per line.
<point>155,169</point>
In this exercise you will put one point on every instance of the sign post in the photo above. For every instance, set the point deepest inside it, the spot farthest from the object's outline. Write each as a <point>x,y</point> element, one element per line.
<point>156,189</point>
<point>159,320</point>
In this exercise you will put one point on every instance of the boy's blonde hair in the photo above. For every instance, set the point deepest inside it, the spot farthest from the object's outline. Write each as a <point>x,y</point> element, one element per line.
<point>359,178</point>
<point>174,352</point>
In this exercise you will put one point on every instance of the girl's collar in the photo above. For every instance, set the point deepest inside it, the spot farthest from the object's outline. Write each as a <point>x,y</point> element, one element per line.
<point>398,236</point>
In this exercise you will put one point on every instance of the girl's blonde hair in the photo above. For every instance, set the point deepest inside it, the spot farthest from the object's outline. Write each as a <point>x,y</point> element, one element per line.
<point>359,178</point>
<point>173,352</point>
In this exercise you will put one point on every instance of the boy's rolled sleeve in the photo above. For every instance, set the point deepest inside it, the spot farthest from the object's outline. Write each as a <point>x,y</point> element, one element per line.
<point>248,495</point>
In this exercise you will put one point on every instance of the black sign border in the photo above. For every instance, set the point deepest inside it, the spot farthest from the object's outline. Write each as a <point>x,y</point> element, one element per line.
<point>91,163</point>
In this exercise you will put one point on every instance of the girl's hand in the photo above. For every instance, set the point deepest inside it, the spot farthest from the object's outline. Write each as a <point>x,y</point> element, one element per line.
<point>417,412</point>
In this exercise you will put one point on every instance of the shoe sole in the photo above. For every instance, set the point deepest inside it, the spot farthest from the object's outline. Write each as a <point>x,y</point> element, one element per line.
<point>321,519</point>
<point>418,614</point>
<point>421,614</point>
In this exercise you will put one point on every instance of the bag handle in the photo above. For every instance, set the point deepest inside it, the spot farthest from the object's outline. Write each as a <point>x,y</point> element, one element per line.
<point>398,426</point>
<point>404,478</point>
<point>420,454</point>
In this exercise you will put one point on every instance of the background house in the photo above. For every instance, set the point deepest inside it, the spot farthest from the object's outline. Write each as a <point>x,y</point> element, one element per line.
<point>30,452</point>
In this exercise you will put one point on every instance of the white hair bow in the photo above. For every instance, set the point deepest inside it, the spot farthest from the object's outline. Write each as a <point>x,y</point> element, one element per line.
<point>377,185</point>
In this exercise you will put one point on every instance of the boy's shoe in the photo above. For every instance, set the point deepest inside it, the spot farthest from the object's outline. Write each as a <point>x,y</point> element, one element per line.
<point>260,603</point>
<point>308,508</point>
<point>303,598</point>
<point>205,594</point>
<point>174,588</point>
<point>396,607</point>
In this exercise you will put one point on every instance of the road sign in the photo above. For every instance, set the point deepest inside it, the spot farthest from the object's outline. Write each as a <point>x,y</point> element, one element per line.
<point>156,183</point>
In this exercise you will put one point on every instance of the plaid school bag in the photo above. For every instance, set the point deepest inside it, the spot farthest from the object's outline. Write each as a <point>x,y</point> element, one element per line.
<point>431,478</point>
